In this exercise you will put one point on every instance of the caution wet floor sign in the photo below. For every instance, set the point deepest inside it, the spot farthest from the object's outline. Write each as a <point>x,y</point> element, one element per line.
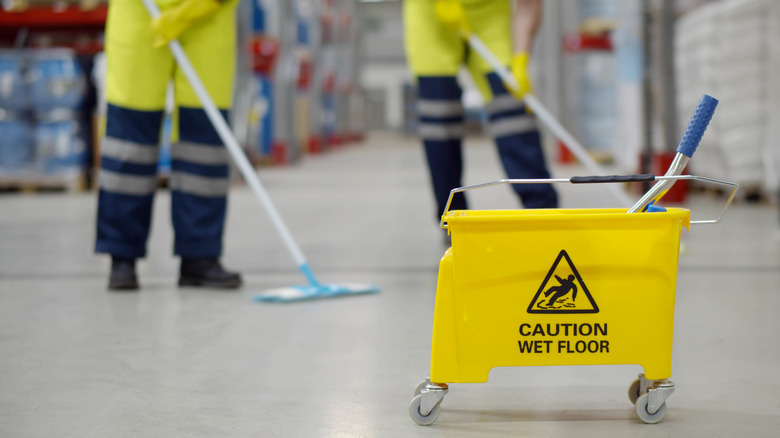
<point>563,291</point>
<point>559,290</point>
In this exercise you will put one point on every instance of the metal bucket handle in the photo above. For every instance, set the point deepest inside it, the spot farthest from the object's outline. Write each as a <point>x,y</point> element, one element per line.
<point>601,179</point>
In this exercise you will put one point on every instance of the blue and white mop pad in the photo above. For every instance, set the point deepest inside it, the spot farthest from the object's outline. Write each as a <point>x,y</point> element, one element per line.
<point>310,292</point>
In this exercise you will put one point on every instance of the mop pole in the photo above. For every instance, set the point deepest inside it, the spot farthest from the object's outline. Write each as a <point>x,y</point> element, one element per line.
<point>543,114</point>
<point>227,137</point>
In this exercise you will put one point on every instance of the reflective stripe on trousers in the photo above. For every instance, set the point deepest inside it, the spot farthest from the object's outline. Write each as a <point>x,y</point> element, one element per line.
<point>199,182</point>
<point>441,127</point>
<point>519,146</point>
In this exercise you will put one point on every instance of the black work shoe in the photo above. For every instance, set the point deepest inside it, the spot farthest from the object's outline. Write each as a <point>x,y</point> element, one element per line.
<point>207,272</point>
<point>122,274</point>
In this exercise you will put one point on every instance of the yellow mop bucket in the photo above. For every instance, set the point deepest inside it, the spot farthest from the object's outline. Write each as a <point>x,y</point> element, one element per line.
<point>556,287</point>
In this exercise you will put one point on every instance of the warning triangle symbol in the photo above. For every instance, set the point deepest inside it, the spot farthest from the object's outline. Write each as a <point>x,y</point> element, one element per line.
<point>563,290</point>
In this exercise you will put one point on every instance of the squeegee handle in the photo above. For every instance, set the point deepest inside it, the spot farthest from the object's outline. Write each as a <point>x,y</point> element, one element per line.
<point>695,130</point>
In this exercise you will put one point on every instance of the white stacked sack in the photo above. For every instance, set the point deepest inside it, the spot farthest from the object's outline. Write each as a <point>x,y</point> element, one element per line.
<point>729,50</point>
<point>694,62</point>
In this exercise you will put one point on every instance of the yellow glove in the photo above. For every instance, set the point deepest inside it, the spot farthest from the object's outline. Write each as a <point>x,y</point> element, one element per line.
<point>172,22</point>
<point>452,14</point>
<point>519,68</point>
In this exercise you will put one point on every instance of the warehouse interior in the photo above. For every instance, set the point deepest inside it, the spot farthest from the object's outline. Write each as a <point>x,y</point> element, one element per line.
<point>325,111</point>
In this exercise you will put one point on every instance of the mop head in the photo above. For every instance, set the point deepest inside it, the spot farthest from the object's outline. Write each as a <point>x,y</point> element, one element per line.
<point>311,292</point>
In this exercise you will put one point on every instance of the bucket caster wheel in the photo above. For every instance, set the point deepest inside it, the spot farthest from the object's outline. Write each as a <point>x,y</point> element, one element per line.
<point>418,417</point>
<point>424,408</point>
<point>649,398</point>
<point>642,410</point>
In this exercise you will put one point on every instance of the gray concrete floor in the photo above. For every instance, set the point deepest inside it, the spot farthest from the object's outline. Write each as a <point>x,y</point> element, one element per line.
<point>78,361</point>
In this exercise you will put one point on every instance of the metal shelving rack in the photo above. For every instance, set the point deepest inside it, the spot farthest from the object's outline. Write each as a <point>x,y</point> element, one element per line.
<point>77,26</point>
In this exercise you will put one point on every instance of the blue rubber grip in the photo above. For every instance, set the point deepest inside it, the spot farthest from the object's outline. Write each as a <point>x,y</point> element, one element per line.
<point>695,130</point>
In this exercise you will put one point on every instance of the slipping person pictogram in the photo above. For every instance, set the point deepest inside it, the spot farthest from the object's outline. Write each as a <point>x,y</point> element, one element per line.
<point>566,286</point>
<point>562,298</point>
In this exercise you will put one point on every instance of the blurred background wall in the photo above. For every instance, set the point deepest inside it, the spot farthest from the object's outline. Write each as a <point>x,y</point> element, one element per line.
<point>314,75</point>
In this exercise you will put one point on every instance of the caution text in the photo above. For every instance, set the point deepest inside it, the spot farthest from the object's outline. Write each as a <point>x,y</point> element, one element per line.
<point>532,345</point>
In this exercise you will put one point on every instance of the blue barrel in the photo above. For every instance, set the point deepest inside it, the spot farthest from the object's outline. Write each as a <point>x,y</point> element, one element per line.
<point>14,90</point>
<point>56,80</point>
<point>59,147</point>
<point>15,146</point>
<point>266,102</point>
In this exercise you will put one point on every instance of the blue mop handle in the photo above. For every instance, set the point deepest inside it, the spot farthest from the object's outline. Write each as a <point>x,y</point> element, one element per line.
<point>698,124</point>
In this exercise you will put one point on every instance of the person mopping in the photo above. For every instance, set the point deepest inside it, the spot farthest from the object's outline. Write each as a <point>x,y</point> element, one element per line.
<point>436,50</point>
<point>140,67</point>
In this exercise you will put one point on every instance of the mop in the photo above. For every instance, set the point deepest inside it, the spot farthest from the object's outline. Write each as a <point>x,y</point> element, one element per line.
<point>543,114</point>
<point>314,289</point>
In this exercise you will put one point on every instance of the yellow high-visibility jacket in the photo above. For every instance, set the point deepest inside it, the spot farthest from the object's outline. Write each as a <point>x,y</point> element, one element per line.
<point>138,73</point>
<point>434,49</point>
